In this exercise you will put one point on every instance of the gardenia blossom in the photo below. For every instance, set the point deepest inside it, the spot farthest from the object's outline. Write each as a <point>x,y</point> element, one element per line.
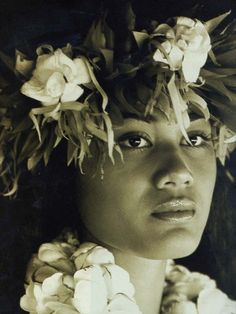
<point>68,278</point>
<point>185,47</point>
<point>193,293</point>
<point>57,78</point>
<point>65,277</point>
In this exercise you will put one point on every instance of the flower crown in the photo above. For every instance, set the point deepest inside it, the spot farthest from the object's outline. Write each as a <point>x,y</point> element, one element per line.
<point>72,92</point>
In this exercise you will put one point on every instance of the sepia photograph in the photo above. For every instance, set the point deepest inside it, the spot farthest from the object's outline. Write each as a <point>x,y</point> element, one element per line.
<point>117,157</point>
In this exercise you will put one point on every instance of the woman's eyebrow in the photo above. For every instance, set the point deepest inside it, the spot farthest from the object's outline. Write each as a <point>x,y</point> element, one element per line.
<point>154,118</point>
<point>136,116</point>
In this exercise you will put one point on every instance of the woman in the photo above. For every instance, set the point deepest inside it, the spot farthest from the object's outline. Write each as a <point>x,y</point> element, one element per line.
<point>131,108</point>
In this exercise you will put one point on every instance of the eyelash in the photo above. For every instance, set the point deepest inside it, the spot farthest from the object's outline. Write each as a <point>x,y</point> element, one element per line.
<point>129,136</point>
<point>126,137</point>
<point>206,138</point>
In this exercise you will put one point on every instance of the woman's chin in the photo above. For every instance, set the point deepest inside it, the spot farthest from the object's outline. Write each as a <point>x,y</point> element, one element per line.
<point>168,249</point>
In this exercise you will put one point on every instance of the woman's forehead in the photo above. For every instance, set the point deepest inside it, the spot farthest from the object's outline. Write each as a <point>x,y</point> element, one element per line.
<point>158,116</point>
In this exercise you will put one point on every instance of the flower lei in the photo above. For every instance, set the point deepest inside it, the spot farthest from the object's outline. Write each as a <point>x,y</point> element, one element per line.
<point>65,277</point>
<point>74,85</point>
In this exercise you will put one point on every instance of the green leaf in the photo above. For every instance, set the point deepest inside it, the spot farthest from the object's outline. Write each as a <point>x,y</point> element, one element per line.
<point>36,124</point>
<point>49,148</point>
<point>31,143</point>
<point>180,107</point>
<point>119,94</point>
<point>199,102</point>
<point>110,136</point>
<point>74,105</point>
<point>97,85</point>
<point>227,58</point>
<point>14,188</point>
<point>213,58</point>
<point>95,38</point>
<point>84,150</point>
<point>94,129</point>
<point>222,149</point>
<point>213,23</point>
<point>34,160</point>
<point>109,58</point>
<point>156,94</point>
<point>72,152</point>
<point>140,38</point>
<point>219,86</point>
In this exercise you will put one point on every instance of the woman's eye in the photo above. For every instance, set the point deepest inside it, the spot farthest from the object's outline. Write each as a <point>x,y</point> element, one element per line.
<point>197,140</point>
<point>134,141</point>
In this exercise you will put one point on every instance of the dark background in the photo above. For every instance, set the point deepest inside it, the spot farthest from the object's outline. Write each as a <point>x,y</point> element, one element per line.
<point>25,23</point>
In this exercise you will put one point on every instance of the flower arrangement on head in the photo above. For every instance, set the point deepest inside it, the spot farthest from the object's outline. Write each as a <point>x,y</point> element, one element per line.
<point>74,93</point>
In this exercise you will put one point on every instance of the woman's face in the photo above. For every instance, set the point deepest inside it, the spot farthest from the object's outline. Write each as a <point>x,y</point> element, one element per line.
<point>156,203</point>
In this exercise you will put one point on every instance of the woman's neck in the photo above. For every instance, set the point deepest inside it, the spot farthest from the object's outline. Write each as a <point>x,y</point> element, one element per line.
<point>147,276</point>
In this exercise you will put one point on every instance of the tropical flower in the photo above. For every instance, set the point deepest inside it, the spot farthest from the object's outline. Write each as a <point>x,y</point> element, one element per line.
<point>192,293</point>
<point>66,278</point>
<point>185,47</point>
<point>57,78</point>
<point>183,307</point>
<point>96,285</point>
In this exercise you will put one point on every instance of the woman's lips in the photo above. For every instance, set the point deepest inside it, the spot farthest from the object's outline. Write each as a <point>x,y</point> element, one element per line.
<point>175,211</point>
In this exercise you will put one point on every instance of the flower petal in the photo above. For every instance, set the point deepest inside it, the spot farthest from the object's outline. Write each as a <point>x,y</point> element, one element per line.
<point>99,255</point>
<point>47,64</point>
<point>176,56</point>
<point>50,252</point>
<point>82,75</point>
<point>34,89</point>
<point>90,292</point>
<point>186,21</point>
<point>44,272</point>
<point>118,281</point>
<point>55,85</point>
<point>71,92</point>
<point>184,307</point>
<point>61,308</point>
<point>191,69</point>
<point>28,302</point>
<point>121,304</point>
<point>211,301</point>
<point>52,284</point>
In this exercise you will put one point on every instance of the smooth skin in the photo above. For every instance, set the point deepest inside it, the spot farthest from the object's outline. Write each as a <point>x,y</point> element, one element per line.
<point>159,165</point>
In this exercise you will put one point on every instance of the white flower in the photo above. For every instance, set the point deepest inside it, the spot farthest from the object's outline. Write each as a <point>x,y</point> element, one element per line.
<point>57,78</point>
<point>211,301</point>
<point>192,292</point>
<point>89,253</point>
<point>183,307</point>
<point>90,291</point>
<point>189,284</point>
<point>121,304</point>
<point>41,298</point>
<point>118,281</point>
<point>63,278</point>
<point>186,47</point>
<point>176,273</point>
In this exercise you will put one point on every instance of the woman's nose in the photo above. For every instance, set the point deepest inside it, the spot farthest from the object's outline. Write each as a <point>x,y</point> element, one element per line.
<point>174,174</point>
